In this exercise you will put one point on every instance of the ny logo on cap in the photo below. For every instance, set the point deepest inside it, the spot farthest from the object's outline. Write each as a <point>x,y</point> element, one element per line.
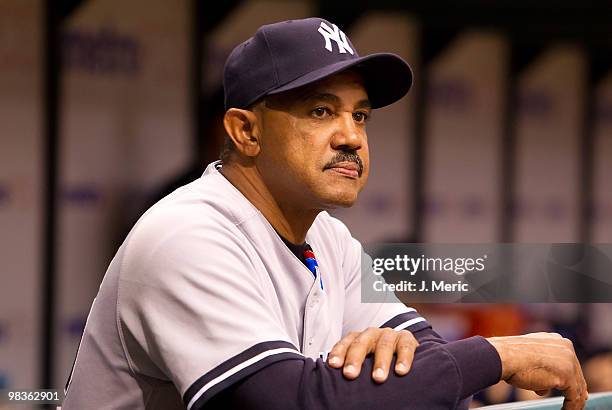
<point>338,36</point>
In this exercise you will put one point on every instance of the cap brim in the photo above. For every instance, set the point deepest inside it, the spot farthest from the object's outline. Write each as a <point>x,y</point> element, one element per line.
<point>387,77</point>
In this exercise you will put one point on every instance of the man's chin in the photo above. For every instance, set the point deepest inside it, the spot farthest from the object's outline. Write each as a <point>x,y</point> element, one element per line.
<point>342,201</point>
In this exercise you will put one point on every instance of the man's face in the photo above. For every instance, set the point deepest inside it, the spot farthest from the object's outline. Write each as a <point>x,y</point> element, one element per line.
<point>314,148</point>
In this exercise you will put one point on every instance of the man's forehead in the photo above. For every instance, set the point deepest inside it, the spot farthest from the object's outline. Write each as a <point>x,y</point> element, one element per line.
<point>327,88</point>
<point>334,82</point>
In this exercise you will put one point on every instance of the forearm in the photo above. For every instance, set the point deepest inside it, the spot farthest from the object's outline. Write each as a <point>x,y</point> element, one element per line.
<point>442,375</point>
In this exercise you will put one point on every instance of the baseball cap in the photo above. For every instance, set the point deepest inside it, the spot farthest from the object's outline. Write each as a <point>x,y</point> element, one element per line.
<point>290,54</point>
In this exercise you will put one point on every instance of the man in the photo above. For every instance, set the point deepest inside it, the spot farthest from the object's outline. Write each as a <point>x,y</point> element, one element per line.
<point>229,292</point>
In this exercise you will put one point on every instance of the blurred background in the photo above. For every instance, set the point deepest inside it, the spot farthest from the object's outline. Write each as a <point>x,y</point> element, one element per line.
<point>106,105</point>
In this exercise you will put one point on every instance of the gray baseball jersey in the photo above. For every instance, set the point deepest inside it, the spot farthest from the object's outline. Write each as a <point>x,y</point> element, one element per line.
<point>203,292</point>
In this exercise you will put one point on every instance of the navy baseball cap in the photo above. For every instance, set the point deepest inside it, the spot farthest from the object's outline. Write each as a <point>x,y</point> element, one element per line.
<point>290,54</point>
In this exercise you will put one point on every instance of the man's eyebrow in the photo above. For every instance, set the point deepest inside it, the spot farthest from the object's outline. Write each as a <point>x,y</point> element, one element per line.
<point>334,99</point>
<point>331,98</point>
<point>364,104</point>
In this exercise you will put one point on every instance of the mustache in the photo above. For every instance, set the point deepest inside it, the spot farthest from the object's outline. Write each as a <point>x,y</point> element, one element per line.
<point>346,156</point>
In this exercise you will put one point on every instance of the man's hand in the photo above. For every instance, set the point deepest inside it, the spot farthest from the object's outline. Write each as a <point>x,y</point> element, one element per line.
<point>540,362</point>
<point>352,350</point>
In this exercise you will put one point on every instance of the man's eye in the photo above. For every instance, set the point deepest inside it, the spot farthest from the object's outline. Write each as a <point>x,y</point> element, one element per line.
<point>360,116</point>
<point>321,112</point>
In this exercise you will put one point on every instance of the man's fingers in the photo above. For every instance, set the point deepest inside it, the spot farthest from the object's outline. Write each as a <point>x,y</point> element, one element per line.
<point>579,379</point>
<point>574,396</point>
<point>573,404</point>
<point>575,388</point>
<point>350,352</point>
<point>358,350</point>
<point>584,393</point>
<point>337,355</point>
<point>542,392</point>
<point>406,345</point>
<point>541,361</point>
<point>383,355</point>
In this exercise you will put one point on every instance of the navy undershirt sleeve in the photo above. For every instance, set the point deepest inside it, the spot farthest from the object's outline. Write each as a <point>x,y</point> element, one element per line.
<point>442,376</point>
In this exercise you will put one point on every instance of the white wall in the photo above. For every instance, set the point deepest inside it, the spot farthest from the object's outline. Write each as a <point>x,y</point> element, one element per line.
<point>21,155</point>
<point>602,185</point>
<point>463,135</point>
<point>548,147</point>
<point>126,129</point>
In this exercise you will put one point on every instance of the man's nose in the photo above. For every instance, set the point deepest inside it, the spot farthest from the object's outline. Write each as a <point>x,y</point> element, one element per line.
<point>347,135</point>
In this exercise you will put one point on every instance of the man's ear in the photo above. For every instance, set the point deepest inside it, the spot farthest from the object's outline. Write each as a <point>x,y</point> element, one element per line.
<point>242,127</point>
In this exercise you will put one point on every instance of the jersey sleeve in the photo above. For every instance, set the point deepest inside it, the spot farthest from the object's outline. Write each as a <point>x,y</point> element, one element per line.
<point>192,309</point>
<point>359,315</point>
<point>442,376</point>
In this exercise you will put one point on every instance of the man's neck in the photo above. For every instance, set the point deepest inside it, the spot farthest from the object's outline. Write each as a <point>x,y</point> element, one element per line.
<point>291,222</point>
